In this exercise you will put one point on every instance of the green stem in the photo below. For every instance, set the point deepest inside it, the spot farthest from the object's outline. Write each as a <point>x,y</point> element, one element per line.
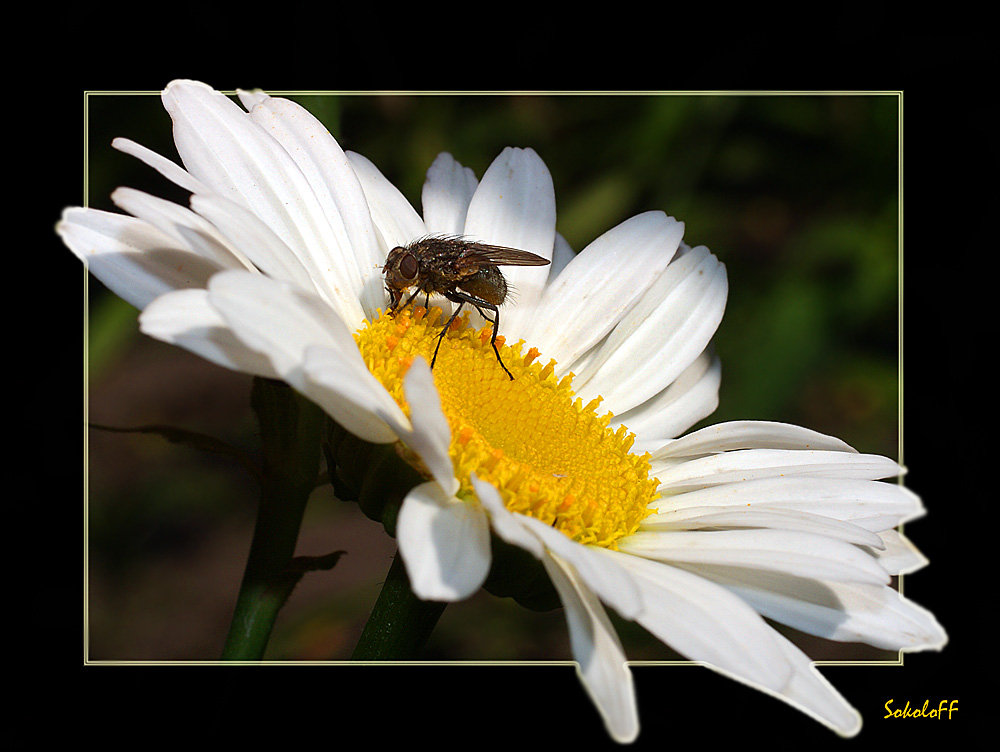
<point>290,436</point>
<point>400,623</point>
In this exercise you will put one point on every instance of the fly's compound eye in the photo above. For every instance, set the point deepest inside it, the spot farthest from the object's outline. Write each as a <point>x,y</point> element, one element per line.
<point>408,266</point>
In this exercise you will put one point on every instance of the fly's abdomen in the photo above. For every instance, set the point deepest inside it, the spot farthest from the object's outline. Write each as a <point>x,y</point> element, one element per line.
<point>487,284</point>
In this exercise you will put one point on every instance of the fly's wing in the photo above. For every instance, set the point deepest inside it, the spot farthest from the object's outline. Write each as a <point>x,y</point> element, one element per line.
<point>445,260</point>
<point>498,255</point>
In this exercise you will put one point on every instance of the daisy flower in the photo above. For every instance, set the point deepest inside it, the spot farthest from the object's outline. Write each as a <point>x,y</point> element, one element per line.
<point>275,269</point>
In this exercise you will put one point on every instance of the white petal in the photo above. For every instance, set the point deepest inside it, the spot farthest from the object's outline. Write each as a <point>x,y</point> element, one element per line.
<point>431,436</point>
<point>447,192</point>
<point>662,335</point>
<point>705,622</point>
<point>185,318</point>
<point>692,396</point>
<point>444,542</point>
<point>562,254</point>
<point>515,206</point>
<point>603,283</point>
<point>349,394</point>
<point>171,171</point>
<point>898,555</point>
<point>137,262</point>
<point>798,554</point>
<point>601,661</point>
<point>246,231</point>
<point>872,505</point>
<point>748,434</point>
<point>844,611</point>
<point>750,464</point>
<point>219,145</point>
<point>743,516</point>
<point>183,225</point>
<point>807,690</point>
<point>397,222</point>
<point>353,261</point>
<point>251,97</point>
<point>224,148</point>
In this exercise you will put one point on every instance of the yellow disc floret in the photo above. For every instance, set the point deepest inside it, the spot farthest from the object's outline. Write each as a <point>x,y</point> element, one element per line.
<point>550,456</point>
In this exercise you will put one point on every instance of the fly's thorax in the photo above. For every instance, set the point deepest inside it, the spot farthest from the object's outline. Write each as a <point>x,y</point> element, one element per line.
<point>486,284</point>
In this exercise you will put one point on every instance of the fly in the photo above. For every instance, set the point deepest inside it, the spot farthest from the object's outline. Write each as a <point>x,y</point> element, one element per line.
<point>461,270</point>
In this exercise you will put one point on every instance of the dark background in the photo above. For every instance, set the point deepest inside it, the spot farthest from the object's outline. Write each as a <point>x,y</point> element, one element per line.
<point>798,195</point>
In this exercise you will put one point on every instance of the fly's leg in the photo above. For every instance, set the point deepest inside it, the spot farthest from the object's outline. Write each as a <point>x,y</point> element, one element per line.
<point>409,300</point>
<point>445,330</point>
<point>457,296</point>
<point>427,301</point>
<point>393,309</point>
<point>493,339</point>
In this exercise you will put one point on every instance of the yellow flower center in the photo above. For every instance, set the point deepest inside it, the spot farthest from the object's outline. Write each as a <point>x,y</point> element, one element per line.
<point>550,456</point>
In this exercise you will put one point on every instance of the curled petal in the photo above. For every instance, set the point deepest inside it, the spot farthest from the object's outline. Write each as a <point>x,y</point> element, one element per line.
<point>444,542</point>
<point>586,301</point>
<point>171,171</point>
<point>690,397</point>
<point>610,583</point>
<point>809,692</point>
<point>897,554</point>
<point>748,434</point>
<point>662,335</point>
<point>751,464</point>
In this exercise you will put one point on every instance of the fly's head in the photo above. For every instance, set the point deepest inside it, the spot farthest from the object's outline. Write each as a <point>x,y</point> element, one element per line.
<point>402,271</point>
